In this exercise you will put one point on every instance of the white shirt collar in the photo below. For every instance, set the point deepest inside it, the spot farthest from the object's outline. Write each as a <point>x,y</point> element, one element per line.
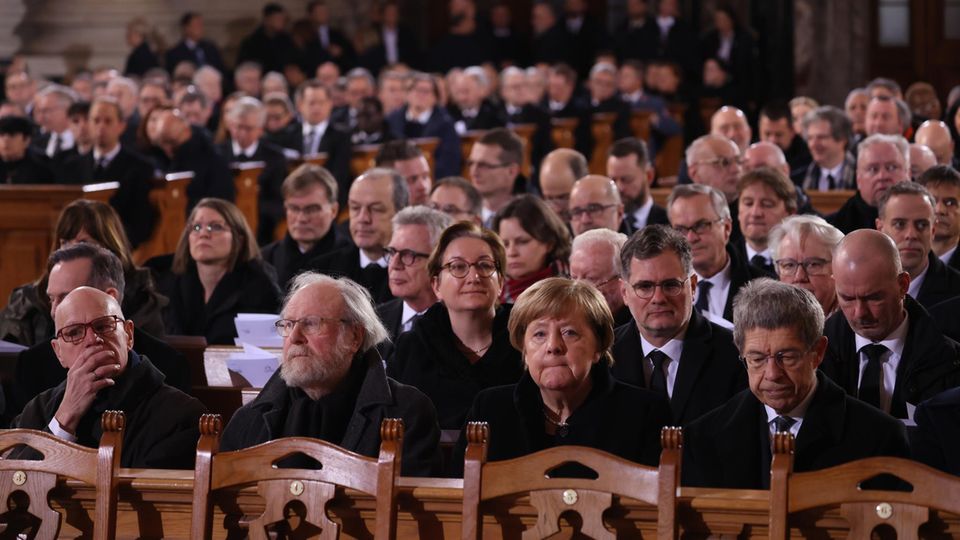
<point>556,105</point>
<point>406,318</point>
<point>917,282</point>
<point>642,214</point>
<point>320,128</point>
<point>672,348</point>
<point>422,118</point>
<point>946,256</point>
<point>248,152</point>
<point>752,252</point>
<point>797,413</point>
<point>367,261</point>
<point>717,300</point>
<point>896,341</point>
<point>633,97</point>
<point>97,154</point>
<point>513,109</point>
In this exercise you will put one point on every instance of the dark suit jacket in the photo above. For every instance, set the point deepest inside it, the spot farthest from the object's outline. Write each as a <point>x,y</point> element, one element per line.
<point>854,214</point>
<point>132,200</point>
<point>541,143</point>
<point>708,375</point>
<point>270,199</point>
<point>346,262</point>
<point>930,363</point>
<point>374,57</point>
<point>730,446</point>
<point>285,256</point>
<point>621,122</point>
<point>944,315</point>
<point>954,261</point>
<point>34,168</point>
<point>740,246</point>
<point>212,176</point>
<point>741,273</point>
<point>551,46</point>
<point>390,313</point>
<point>180,52</point>
<point>141,59</point>
<point>939,284</point>
<point>637,41</point>
<point>448,157</point>
<point>936,439</point>
<point>39,369</point>
<point>336,144</point>
<point>271,52</point>
<point>488,116</point>
<point>657,216</point>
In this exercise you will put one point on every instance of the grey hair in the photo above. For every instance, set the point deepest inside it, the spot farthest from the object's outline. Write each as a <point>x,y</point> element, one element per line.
<point>603,67</point>
<point>276,75</point>
<point>478,74</point>
<point>697,145</point>
<point>401,194</point>
<point>511,70</point>
<point>248,66</point>
<point>126,81</point>
<point>897,141</point>
<point>248,105</point>
<point>770,305</point>
<point>717,199</point>
<point>854,93</point>
<point>434,220</point>
<point>362,73</point>
<point>207,71</point>
<point>65,95</point>
<point>602,236</point>
<point>841,129</point>
<point>357,301</point>
<point>651,241</point>
<point>279,98</point>
<point>906,188</point>
<point>801,226</point>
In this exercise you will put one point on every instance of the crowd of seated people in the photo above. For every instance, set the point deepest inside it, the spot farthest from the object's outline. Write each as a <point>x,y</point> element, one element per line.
<point>451,287</point>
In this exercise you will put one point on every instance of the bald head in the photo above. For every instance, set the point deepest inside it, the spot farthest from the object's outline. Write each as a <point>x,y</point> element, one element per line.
<point>765,154</point>
<point>935,135</point>
<point>558,172</point>
<point>867,249</point>
<point>731,123</point>
<point>594,204</point>
<point>921,159</point>
<point>86,298</point>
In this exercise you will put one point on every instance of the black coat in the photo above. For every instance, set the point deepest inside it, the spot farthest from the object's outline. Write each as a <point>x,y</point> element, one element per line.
<point>448,157</point>
<point>939,284</point>
<point>936,439</point>
<point>34,168</point>
<point>954,261</point>
<point>583,133</point>
<point>336,144</point>
<point>730,446</point>
<point>162,423</point>
<point>212,176</point>
<point>621,122</point>
<point>345,262</point>
<point>657,216</point>
<point>462,50</point>
<point>39,369</point>
<point>488,116</point>
<point>271,52</point>
<point>944,315</point>
<point>285,256</point>
<point>709,372</point>
<point>181,53</point>
<point>391,313</point>
<point>617,418</point>
<point>427,357</point>
<point>551,46</point>
<point>854,214</point>
<point>374,58</point>
<point>929,365</point>
<point>637,41</point>
<point>132,199</point>
<point>379,397</point>
<point>270,199</point>
<point>140,60</point>
<point>250,288</point>
<point>741,273</point>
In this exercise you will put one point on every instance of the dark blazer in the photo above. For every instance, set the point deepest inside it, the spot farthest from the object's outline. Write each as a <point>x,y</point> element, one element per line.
<point>212,176</point>
<point>379,397</point>
<point>944,315</point>
<point>708,375</point>
<point>180,53</point>
<point>621,122</point>
<point>930,363</point>
<point>287,137</point>
<point>271,52</point>
<point>250,287</point>
<point>427,357</point>
<point>954,261</point>
<point>38,368</point>
<point>390,313</point>
<point>346,262</point>
<point>730,446</point>
<point>336,144</point>
<point>583,134</point>
<point>637,40</point>
<point>285,257</point>
<point>34,168</point>
<point>270,199</point>
<point>374,57</point>
<point>657,216</point>
<point>741,273</point>
<point>854,214</point>
<point>551,46</point>
<point>617,418</point>
<point>488,116</point>
<point>940,283</point>
<point>140,60</point>
<point>448,157</point>
<point>740,246</point>
<point>132,200</point>
<point>541,143</point>
<point>936,439</point>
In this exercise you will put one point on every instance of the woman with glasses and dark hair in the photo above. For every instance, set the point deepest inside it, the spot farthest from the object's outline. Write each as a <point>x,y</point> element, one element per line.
<point>537,244</point>
<point>215,273</point>
<point>460,345</point>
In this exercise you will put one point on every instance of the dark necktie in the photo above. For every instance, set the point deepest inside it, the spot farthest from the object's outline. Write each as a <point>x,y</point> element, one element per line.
<point>658,379</point>
<point>760,261</point>
<point>100,169</point>
<point>782,424</point>
<point>871,382</point>
<point>200,55</point>
<point>308,141</point>
<point>703,301</point>
<point>831,182</point>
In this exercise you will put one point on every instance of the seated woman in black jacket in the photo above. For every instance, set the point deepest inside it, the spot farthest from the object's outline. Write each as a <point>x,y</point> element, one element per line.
<point>566,395</point>
<point>215,273</point>
<point>460,345</point>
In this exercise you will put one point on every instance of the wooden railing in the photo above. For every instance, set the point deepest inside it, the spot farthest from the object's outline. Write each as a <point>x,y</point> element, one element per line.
<point>824,202</point>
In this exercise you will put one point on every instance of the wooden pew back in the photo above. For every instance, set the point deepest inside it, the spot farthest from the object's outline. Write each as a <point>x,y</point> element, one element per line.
<point>169,198</point>
<point>246,183</point>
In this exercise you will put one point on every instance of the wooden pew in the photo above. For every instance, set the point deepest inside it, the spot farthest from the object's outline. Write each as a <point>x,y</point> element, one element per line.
<point>561,130</point>
<point>602,129</point>
<point>428,145</point>
<point>169,198</point>
<point>824,202</point>
<point>708,107</point>
<point>525,132</point>
<point>640,124</point>
<point>467,140</point>
<point>246,183</point>
<point>364,157</point>
<point>28,217</point>
<point>668,158</point>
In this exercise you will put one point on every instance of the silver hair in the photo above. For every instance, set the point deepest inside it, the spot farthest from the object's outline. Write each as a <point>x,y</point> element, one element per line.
<point>126,81</point>
<point>65,95</point>
<point>803,226</point>
<point>897,141</point>
<point>771,305</point>
<point>248,105</point>
<point>434,220</point>
<point>248,66</point>
<point>276,76</point>
<point>362,73</point>
<point>603,67</point>
<point>854,93</point>
<point>207,71</point>
<point>717,199</point>
<point>356,299</point>
<point>401,193</point>
<point>279,98</point>
<point>511,70</point>
<point>602,236</point>
<point>697,145</point>
<point>478,74</point>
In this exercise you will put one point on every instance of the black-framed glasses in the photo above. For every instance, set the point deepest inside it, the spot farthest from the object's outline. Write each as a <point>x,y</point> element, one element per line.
<point>593,210</point>
<point>308,210</point>
<point>310,325</point>
<point>813,267</point>
<point>670,287</point>
<point>101,326</point>
<point>484,166</point>
<point>212,228</point>
<point>698,228</point>
<point>448,209</point>
<point>459,268</point>
<point>407,256</point>
<point>788,359</point>
<point>722,161</point>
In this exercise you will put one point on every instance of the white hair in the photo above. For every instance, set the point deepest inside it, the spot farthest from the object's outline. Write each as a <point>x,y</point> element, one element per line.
<point>601,237</point>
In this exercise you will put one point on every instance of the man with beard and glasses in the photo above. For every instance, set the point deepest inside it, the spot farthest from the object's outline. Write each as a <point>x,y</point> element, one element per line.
<point>630,168</point>
<point>331,384</point>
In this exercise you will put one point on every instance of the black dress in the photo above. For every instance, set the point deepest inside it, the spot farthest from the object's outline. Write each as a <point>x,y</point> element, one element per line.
<point>427,358</point>
<point>616,417</point>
